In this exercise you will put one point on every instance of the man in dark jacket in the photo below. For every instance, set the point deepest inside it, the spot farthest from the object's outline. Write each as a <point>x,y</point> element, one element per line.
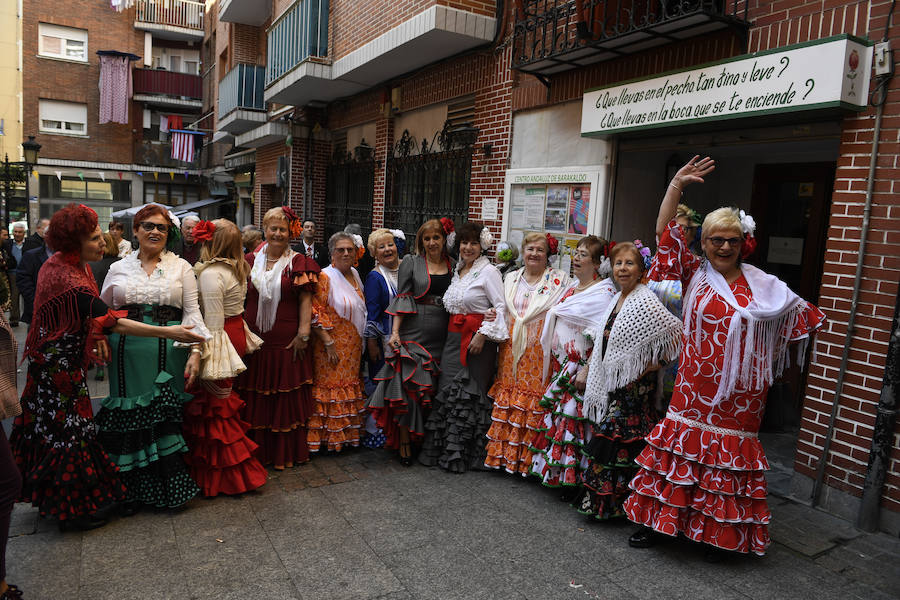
<point>27,276</point>
<point>36,239</point>
<point>310,247</point>
<point>15,248</point>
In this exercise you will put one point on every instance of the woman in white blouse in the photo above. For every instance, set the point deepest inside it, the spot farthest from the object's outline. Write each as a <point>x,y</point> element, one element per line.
<point>221,456</point>
<point>140,422</point>
<point>461,411</point>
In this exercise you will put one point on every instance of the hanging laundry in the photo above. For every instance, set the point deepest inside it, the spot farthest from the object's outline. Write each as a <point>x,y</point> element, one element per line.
<point>182,146</point>
<point>115,88</point>
<point>163,124</point>
<point>175,122</point>
<point>120,5</point>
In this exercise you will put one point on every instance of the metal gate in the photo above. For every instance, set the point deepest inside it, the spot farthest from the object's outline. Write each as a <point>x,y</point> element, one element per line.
<point>349,192</point>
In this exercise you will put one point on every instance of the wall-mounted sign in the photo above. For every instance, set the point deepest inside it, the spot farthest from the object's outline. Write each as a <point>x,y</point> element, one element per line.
<point>829,73</point>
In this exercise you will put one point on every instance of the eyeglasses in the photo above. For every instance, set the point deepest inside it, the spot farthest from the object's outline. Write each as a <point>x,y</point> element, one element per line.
<point>148,226</point>
<point>342,250</point>
<point>718,242</point>
<point>581,254</point>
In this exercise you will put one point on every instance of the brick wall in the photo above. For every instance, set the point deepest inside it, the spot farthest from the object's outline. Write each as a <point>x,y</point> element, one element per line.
<point>247,45</point>
<point>77,82</point>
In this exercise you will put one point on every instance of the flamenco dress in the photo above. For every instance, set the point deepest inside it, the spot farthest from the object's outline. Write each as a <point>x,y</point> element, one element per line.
<point>221,456</point>
<point>275,387</point>
<point>66,473</point>
<point>461,410</point>
<point>703,471</point>
<point>338,398</point>
<point>140,422</point>
<point>407,382</point>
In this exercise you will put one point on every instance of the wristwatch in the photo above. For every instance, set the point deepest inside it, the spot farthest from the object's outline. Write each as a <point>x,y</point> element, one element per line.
<point>305,338</point>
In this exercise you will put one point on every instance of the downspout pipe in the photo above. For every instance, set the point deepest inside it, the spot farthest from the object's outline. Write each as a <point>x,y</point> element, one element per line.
<point>851,321</point>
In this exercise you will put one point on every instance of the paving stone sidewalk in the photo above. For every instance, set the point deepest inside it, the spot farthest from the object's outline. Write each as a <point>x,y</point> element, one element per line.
<point>360,526</point>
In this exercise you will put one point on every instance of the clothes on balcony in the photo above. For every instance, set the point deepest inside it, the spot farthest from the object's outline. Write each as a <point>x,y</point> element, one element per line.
<point>120,5</point>
<point>115,88</point>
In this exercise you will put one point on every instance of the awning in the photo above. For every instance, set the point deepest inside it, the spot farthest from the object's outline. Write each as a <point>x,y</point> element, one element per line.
<point>192,206</point>
<point>130,212</point>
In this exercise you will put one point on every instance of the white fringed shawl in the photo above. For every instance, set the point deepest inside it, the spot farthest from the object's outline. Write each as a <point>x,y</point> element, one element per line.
<point>643,333</point>
<point>550,287</point>
<point>268,284</point>
<point>345,299</point>
<point>769,319</point>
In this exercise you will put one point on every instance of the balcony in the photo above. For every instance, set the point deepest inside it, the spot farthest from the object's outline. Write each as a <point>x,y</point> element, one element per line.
<point>167,88</point>
<point>241,103</point>
<point>171,19</point>
<point>553,36</point>
<point>158,154</point>
<point>247,12</point>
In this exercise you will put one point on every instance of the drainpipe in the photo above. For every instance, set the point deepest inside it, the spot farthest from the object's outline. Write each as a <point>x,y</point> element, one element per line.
<point>881,88</point>
<point>882,439</point>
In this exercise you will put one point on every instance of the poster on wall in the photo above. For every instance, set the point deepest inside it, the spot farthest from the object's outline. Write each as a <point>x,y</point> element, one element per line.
<point>534,207</point>
<point>578,209</point>
<point>557,205</point>
<point>517,208</point>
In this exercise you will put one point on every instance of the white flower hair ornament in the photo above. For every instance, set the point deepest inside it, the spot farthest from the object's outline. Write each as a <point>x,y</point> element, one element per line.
<point>175,220</point>
<point>604,270</point>
<point>451,239</point>
<point>748,224</point>
<point>486,239</point>
<point>357,240</point>
<point>398,233</point>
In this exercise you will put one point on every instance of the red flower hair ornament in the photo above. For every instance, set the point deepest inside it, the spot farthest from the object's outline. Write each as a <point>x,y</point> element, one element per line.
<point>203,231</point>
<point>295,225</point>
<point>447,224</point>
<point>552,244</point>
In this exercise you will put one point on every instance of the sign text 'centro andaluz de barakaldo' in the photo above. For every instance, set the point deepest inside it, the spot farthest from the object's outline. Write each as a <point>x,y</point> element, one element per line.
<point>829,73</point>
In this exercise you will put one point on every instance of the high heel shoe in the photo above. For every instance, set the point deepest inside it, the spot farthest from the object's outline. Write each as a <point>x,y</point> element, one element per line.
<point>11,593</point>
<point>406,449</point>
<point>83,523</point>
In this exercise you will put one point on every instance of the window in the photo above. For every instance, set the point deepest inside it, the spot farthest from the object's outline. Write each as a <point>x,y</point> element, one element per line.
<point>62,42</point>
<point>67,118</point>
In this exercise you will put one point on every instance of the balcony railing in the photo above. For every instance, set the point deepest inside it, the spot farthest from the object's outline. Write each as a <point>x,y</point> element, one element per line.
<point>167,83</point>
<point>556,35</point>
<point>298,34</point>
<point>157,154</point>
<point>176,13</point>
<point>242,87</point>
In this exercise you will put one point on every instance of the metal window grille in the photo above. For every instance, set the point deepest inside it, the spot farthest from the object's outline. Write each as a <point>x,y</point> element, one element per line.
<point>349,192</point>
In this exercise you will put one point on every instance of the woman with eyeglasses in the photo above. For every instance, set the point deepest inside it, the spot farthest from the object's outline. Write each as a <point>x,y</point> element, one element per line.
<point>277,383</point>
<point>141,420</point>
<point>703,470</point>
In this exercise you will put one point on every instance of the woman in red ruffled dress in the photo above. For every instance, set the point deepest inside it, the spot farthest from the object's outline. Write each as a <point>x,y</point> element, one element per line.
<point>703,470</point>
<point>221,456</point>
<point>276,385</point>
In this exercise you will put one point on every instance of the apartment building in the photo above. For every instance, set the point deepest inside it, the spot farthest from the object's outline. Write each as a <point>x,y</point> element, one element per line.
<point>11,135</point>
<point>568,118</point>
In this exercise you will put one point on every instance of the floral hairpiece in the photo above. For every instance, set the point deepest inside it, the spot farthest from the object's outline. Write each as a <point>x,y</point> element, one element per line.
<point>203,231</point>
<point>748,227</point>
<point>486,239</point>
<point>174,236</point>
<point>360,248</point>
<point>295,225</point>
<point>504,251</point>
<point>644,252</point>
<point>552,245</point>
<point>175,220</point>
<point>449,231</point>
<point>399,240</point>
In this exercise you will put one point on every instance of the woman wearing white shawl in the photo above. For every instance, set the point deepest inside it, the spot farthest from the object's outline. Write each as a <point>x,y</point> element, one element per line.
<point>517,414</point>
<point>637,336</point>
<point>339,321</point>
<point>558,459</point>
<point>703,471</point>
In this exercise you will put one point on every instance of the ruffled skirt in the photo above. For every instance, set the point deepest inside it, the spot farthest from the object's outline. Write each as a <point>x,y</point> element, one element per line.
<point>460,416</point>
<point>708,485</point>
<point>221,457</point>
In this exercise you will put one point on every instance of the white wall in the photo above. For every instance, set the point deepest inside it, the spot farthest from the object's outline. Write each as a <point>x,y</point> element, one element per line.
<point>551,137</point>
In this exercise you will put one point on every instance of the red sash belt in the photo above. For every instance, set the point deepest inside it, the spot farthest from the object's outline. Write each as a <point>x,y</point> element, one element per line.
<point>466,326</point>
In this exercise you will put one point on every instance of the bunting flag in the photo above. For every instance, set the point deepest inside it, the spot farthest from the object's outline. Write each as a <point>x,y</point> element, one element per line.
<point>81,175</point>
<point>171,174</point>
<point>34,174</point>
<point>58,175</point>
<point>102,175</point>
<point>120,175</point>
<point>182,145</point>
<point>155,175</point>
<point>140,173</point>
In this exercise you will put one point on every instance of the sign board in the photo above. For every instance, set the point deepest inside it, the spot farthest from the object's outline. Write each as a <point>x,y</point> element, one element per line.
<point>829,73</point>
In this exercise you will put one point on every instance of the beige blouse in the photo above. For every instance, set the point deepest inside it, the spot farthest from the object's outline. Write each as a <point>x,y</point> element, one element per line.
<point>222,296</point>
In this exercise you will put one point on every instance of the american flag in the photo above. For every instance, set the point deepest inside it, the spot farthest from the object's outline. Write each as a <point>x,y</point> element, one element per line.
<point>182,146</point>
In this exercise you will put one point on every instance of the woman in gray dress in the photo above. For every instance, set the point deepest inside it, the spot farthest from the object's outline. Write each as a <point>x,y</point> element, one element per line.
<point>407,382</point>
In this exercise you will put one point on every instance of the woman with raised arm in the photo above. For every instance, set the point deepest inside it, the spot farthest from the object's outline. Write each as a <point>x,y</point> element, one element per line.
<point>461,414</point>
<point>637,336</point>
<point>277,383</point>
<point>407,382</point>
<point>66,472</point>
<point>339,320</point>
<point>517,392</point>
<point>140,424</point>
<point>558,453</point>
<point>221,456</point>
<point>703,470</point>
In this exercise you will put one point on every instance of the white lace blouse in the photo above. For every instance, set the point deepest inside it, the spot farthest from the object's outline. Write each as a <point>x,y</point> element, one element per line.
<point>172,283</point>
<point>478,291</point>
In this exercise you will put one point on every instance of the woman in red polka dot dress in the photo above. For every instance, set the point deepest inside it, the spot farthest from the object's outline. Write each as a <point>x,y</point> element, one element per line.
<point>703,470</point>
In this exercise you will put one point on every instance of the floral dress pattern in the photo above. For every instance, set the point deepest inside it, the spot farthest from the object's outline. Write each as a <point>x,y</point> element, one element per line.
<point>703,471</point>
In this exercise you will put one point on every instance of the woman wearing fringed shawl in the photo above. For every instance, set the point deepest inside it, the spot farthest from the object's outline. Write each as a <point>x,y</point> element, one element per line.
<point>66,472</point>
<point>559,458</point>
<point>703,470</point>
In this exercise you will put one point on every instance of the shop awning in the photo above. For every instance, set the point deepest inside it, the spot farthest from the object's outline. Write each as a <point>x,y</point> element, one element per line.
<point>193,206</point>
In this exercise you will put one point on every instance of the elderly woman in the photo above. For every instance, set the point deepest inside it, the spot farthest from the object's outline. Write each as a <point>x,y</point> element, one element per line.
<point>339,321</point>
<point>65,471</point>
<point>559,459</point>
<point>276,385</point>
<point>221,457</point>
<point>406,383</point>
<point>517,414</point>
<point>461,412</point>
<point>703,470</point>
<point>140,422</point>
<point>637,335</point>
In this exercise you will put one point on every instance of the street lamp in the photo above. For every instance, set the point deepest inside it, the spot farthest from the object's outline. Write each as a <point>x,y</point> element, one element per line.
<point>30,148</point>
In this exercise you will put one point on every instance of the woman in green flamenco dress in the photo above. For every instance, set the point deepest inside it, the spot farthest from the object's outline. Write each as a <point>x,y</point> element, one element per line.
<point>140,423</point>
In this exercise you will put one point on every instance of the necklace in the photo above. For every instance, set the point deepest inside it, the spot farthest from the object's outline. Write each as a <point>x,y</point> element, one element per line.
<point>581,287</point>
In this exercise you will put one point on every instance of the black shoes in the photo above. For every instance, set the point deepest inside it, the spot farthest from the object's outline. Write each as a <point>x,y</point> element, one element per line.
<point>643,538</point>
<point>85,523</point>
<point>11,593</point>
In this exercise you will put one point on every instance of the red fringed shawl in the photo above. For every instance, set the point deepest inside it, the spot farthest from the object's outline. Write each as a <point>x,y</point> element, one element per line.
<point>56,302</point>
